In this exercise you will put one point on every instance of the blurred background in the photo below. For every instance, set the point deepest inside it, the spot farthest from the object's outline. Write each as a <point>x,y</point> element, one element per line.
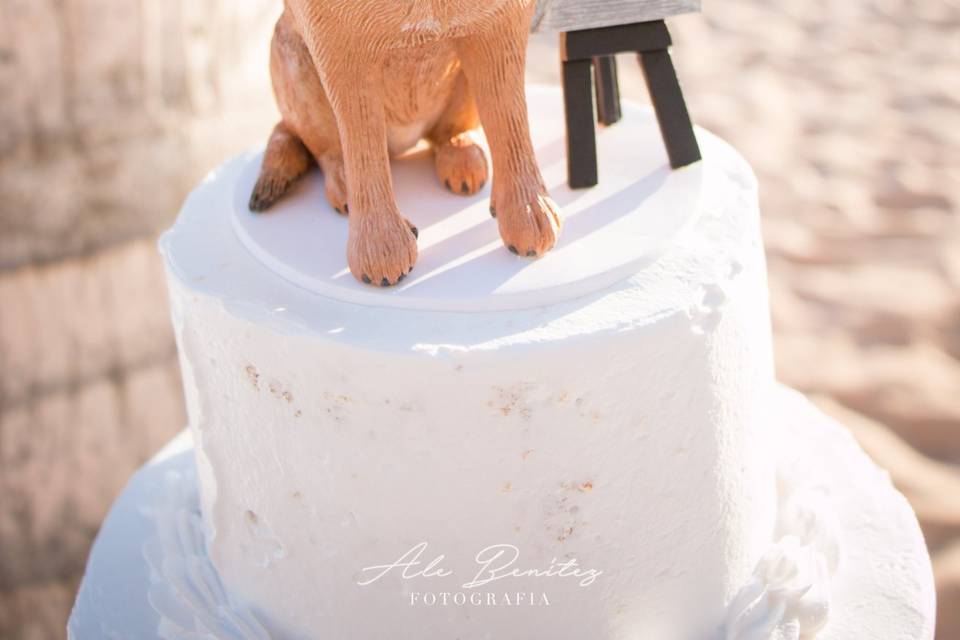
<point>110,110</point>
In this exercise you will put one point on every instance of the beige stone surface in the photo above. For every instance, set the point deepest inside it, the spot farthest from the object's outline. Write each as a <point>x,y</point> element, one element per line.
<point>36,611</point>
<point>110,110</point>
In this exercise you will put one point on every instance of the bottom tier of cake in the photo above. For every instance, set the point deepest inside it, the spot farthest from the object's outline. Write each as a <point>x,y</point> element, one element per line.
<point>847,560</point>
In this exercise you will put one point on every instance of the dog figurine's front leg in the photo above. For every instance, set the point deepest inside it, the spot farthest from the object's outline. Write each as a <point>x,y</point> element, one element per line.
<point>494,61</point>
<point>382,244</point>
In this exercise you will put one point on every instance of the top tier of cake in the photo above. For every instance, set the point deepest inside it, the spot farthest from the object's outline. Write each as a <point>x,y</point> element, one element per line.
<point>598,406</point>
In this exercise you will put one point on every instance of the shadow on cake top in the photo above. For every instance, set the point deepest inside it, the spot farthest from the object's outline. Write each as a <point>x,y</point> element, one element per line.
<point>611,231</point>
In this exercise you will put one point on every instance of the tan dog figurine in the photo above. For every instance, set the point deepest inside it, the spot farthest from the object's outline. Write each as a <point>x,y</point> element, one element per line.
<point>357,81</point>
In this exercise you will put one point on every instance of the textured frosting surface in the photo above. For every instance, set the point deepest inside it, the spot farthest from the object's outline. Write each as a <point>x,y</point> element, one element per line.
<point>789,595</point>
<point>616,432</point>
<point>882,588</point>
<point>185,588</point>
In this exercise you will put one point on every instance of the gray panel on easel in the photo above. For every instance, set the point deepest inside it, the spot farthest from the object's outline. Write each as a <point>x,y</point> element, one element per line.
<point>571,15</point>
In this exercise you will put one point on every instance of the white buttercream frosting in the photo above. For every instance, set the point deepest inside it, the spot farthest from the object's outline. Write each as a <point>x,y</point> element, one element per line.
<point>613,430</point>
<point>883,587</point>
<point>185,588</point>
<point>788,597</point>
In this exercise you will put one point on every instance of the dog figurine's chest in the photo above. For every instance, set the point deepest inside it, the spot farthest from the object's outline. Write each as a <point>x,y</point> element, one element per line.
<point>416,86</point>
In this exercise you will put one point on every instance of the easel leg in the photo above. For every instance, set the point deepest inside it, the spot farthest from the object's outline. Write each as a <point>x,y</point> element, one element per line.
<point>581,133</point>
<point>667,97</point>
<point>608,89</point>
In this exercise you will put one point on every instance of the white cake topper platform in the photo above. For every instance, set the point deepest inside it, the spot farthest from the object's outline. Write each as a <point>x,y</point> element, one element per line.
<point>148,575</point>
<point>609,233</point>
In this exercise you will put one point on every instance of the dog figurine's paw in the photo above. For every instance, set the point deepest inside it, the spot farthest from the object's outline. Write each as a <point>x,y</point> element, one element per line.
<point>529,229</point>
<point>461,164</point>
<point>270,187</point>
<point>284,162</point>
<point>335,183</point>
<point>382,248</point>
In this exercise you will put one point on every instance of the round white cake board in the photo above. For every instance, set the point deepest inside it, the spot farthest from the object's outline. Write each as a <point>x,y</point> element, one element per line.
<point>883,588</point>
<point>608,234</point>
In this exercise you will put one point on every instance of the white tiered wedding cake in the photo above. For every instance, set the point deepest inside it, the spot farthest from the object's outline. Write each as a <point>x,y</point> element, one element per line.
<point>591,445</point>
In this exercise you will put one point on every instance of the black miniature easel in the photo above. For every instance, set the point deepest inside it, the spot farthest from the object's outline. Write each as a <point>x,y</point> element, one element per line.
<point>595,48</point>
